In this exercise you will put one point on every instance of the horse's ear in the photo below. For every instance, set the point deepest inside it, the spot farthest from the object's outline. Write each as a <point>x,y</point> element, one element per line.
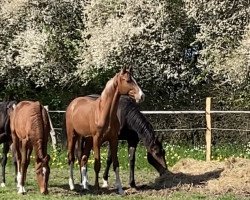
<point>123,70</point>
<point>160,138</point>
<point>130,69</point>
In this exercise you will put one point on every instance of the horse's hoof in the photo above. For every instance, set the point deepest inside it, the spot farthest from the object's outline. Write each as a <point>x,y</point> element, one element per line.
<point>21,190</point>
<point>121,191</point>
<point>105,184</point>
<point>132,185</point>
<point>45,192</point>
<point>96,187</point>
<point>2,184</point>
<point>71,184</point>
<point>85,186</point>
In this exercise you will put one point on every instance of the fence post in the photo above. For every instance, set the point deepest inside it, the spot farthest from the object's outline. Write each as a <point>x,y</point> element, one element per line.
<point>52,130</point>
<point>208,129</point>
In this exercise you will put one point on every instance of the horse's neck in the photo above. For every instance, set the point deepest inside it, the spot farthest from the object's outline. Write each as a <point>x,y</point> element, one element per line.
<point>137,122</point>
<point>109,100</point>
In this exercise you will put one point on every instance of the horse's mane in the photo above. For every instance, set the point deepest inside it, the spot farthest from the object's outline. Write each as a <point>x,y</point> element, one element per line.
<point>136,121</point>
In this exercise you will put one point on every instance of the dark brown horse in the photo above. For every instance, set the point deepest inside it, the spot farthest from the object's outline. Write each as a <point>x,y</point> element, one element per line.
<point>5,135</point>
<point>86,117</point>
<point>30,129</point>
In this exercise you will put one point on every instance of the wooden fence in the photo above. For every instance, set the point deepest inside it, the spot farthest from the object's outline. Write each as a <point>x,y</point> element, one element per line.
<point>208,129</point>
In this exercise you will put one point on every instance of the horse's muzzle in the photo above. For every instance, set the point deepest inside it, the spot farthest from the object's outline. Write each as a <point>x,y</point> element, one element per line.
<point>140,98</point>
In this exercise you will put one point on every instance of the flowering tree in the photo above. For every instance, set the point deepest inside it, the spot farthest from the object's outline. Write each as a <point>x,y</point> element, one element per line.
<point>181,51</point>
<point>38,45</point>
<point>152,36</point>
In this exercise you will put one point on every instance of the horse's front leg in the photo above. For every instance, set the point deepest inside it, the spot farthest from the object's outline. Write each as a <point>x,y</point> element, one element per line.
<point>6,148</point>
<point>114,148</point>
<point>97,164</point>
<point>84,160</point>
<point>132,144</point>
<point>106,171</point>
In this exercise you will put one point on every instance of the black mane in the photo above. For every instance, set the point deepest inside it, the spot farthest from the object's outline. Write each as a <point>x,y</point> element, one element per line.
<point>136,121</point>
<point>132,119</point>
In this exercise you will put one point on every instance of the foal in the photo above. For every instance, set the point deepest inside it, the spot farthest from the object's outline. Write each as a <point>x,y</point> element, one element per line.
<point>86,118</point>
<point>30,129</point>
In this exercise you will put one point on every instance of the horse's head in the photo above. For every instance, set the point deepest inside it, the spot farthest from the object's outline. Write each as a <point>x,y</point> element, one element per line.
<point>127,85</point>
<point>42,174</point>
<point>156,157</point>
<point>11,106</point>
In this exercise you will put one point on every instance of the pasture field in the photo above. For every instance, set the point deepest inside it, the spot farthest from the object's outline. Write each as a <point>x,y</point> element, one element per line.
<point>190,179</point>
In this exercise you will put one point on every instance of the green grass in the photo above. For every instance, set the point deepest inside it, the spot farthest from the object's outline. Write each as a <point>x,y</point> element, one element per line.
<point>173,154</point>
<point>145,174</point>
<point>58,189</point>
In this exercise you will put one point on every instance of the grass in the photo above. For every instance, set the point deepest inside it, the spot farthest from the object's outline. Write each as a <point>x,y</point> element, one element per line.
<point>144,173</point>
<point>173,154</point>
<point>58,189</point>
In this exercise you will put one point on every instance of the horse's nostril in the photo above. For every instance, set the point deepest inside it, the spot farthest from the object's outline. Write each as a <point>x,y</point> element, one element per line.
<point>142,97</point>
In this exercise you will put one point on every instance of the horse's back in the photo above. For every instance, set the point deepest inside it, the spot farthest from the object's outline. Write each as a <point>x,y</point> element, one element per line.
<point>29,118</point>
<point>80,114</point>
<point>80,104</point>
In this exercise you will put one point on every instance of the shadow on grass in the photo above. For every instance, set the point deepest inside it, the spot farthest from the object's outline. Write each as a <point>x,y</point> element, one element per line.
<point>64,188</point>
<point>172,180</point>
<point>167,181</point>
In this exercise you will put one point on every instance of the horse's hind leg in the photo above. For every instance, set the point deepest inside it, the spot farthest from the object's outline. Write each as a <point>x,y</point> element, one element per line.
<point>4,161</point>
<point>106,171</point>
<point>78,152</point>
<point>16,144</point>
<point>29,151</point>
<point>14,160</point>
<point>24,166</point>
<point>114,148</point>
<point>71,141</point>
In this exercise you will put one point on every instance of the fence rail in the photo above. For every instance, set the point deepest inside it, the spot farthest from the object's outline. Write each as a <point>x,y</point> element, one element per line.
<point>180,112</point>
<point>207,114</point>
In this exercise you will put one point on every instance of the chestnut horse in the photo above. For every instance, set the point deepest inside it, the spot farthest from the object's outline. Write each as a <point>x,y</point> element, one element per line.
<point>30,129</point>
<point>134,127</point>
<point>86,118</point>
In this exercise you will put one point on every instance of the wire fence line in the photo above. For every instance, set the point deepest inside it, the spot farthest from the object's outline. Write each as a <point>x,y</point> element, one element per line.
<point>205,121</point>
<point>164,112</point>
<point>180,112</point>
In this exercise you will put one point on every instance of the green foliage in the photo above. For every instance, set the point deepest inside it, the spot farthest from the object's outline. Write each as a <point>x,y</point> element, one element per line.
<point>181,51</point>
<point>224,35</point>
<point>39,44</point>
<point>151,36</point>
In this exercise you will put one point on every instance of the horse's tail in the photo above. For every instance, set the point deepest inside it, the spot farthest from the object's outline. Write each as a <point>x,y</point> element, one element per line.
<point>64,132</point>
<point>44,128</point>
<point>9,108</point>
